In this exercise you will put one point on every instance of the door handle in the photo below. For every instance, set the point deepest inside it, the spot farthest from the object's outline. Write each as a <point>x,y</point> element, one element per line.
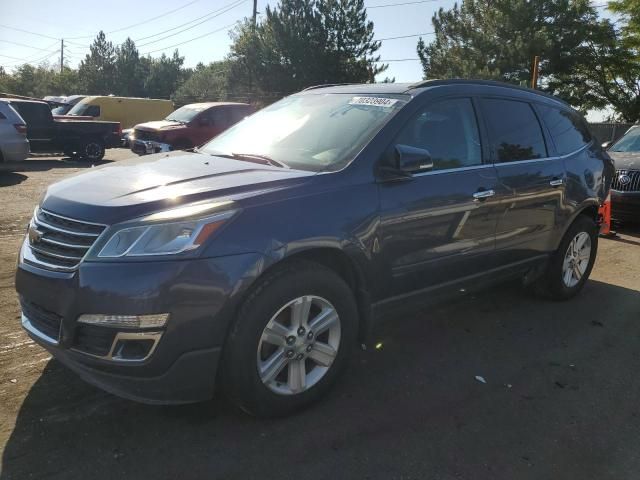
<point>482,194</point>
<point>556,182</point>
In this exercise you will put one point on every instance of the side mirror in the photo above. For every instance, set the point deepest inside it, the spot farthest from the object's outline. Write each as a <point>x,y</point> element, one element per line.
<point>606,145</point>
<point>412,159</point>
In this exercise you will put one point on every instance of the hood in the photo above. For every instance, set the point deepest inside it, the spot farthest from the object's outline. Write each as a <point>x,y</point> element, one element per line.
<point>132,188</point>
<point>626,160</point>
<point>159,125</point>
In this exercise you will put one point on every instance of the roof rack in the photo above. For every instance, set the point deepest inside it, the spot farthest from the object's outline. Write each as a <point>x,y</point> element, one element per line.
<point>313,87</point>
<point>491,83</point>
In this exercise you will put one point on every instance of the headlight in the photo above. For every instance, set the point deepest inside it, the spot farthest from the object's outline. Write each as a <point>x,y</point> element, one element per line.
<point>165,233</point>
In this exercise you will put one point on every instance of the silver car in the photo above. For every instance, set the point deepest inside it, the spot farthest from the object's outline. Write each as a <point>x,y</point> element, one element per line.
<point>14,146</point>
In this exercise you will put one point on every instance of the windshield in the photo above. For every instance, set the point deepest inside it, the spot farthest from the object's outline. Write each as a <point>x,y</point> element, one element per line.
<point>630,142</point>
<point>185,114</point>
<point>82,108</point>
<point>308,132</point>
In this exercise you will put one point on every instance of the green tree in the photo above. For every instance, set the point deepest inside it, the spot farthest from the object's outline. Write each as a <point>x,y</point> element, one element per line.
<point>583,57</point>
<point>163,75</point>
<point>302,43</point>
<point>129,71</point>
<point>97,70</point>
<point>206,83</point>
<point>630,12</point>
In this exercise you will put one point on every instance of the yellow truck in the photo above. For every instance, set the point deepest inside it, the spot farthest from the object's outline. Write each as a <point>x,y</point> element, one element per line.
<point>129,111</point>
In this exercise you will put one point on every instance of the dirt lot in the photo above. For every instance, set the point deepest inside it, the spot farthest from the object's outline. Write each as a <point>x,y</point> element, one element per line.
<point>560,399</point>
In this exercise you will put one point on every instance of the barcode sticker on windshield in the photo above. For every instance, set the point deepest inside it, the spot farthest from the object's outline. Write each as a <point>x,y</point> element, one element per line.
<point>373,101</point>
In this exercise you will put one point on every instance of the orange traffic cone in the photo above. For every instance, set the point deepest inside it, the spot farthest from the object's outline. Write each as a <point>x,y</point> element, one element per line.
<point>605,216</point>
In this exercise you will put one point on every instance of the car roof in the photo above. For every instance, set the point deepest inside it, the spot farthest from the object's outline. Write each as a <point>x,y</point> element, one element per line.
<point>416,88</point>
<point>21,100</point>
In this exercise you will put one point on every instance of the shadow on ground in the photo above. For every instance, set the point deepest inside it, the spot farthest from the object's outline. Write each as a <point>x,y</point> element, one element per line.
<point>560,401</point>
<point>37,165</point>
<point>8,179</point>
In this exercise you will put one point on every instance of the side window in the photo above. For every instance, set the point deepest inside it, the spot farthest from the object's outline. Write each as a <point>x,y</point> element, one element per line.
<point>218,117</point>
<point>449,131</point>
<point>514,130</point>
<point>92,111</point>
<point>238,114</point>
<point>567,129</point>
<point>2,116</point>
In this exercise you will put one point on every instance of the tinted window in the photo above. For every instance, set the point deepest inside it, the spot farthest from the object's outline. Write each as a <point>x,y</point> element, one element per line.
<point>33,113</point>
<point>514,130</point>
<point>448,130</point>
<point>238,113</point>
<point>217,116</point>
<point>2,117</point>
<point>567,129</point>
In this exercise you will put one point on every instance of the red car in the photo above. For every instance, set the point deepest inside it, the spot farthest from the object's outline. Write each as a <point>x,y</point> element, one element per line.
<point>187,127</point>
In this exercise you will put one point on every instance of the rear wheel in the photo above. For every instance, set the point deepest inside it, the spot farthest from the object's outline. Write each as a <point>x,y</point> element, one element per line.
<point>92,150</point>
<point>291,340</point>
<point>571,265</point>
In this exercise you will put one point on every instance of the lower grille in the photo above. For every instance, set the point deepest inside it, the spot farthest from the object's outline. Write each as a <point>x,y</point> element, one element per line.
<point>60,243</point>
<point>626,181</point>
<point>94,340</point>
<point>43,320</point>
<point>146,135</point>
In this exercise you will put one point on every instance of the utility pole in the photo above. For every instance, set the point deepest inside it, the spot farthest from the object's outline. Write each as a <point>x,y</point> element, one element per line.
<point>255,13</point>
<point>534,73</point>
<point>61,55</point>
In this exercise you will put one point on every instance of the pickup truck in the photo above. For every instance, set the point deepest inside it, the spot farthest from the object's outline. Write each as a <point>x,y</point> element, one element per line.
<point>187,127</point>
<point>83,139</point>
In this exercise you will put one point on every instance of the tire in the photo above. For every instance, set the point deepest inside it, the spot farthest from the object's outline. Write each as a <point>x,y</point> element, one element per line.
<point>248,348</point>
<point>92,150</point>
<point>554,282</point>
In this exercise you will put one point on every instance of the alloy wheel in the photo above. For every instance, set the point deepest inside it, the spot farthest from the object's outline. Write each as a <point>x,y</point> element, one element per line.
<point>576,259</point>
<point>298,345</point>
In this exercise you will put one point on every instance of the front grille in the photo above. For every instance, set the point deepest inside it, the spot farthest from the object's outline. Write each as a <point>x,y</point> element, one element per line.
<point>43,320</point>
<point>146,135</point>
<point>60,243</point>
<point>94,340</point>
<point>626,181</point>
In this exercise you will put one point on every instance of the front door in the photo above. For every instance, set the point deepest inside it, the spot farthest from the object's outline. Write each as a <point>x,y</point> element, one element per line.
<point>439,225</point>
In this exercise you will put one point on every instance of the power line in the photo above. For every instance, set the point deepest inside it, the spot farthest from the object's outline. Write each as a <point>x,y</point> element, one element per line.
<point>404,36</point>
<point>25,45</point>
<point>191,40</point>
<point>399,60</point>
<point>30,33</point>
<point>400,4</point>
<point>146,20</point>
<point>219,12</point>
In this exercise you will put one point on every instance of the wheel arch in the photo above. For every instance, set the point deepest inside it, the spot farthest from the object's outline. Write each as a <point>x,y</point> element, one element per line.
<point>589,209</point>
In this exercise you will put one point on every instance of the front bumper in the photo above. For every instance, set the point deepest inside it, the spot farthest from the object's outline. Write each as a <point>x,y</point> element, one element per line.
<point>146,147</point>
<point>625,206</point>
<point>200,296</point>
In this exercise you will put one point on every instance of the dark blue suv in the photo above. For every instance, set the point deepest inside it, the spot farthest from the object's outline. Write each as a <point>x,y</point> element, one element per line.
<point>260,260</point>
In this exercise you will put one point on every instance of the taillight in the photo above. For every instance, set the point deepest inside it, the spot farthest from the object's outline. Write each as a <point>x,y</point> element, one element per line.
<point>21,128</point>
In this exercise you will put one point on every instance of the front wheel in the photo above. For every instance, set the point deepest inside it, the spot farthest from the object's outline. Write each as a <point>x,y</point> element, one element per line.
<point>571,265</point>
<point>292,338</point>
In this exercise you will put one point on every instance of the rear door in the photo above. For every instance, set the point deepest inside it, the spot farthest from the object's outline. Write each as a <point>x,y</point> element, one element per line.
<point>438,225</point>
<point>531,174</point>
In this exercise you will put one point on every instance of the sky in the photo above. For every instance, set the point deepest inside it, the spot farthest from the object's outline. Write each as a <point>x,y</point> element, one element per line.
<point>79,21</point>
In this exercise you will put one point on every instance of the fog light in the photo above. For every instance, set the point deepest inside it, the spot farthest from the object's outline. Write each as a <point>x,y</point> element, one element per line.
<point>125,321</point>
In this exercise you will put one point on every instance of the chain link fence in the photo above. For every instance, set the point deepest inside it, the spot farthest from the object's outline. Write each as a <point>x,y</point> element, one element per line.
<point>609,132</point>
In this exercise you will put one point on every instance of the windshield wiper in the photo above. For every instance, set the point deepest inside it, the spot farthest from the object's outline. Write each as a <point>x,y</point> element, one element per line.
<point>252,157</point>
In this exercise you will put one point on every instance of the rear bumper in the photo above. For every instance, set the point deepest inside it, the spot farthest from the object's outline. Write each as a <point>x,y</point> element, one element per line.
<point>199,295</point>
<point>15,151</point>
<point>146,147</point>
<point>625,206</point>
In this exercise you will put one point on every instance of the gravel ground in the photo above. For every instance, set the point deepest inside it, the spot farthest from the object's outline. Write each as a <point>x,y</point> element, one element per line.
<point>560,398</point>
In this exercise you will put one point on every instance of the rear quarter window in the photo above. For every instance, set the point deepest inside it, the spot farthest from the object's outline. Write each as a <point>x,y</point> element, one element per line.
<point>568,130</point>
